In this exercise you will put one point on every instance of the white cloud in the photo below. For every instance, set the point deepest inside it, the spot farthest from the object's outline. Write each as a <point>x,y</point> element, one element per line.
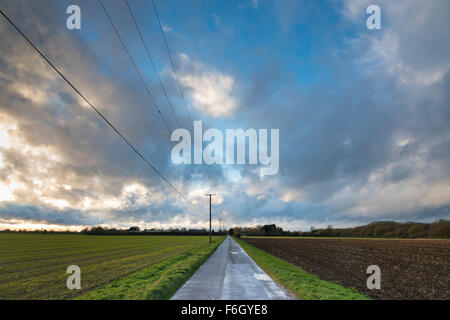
<point>409,30</point>
<point>30,92</point>
<point>403,198</point>
<point>166,28</point>
<point>294,195</point>
<point>356,8</point>
<point>211,91</point>
<point>383,196</point>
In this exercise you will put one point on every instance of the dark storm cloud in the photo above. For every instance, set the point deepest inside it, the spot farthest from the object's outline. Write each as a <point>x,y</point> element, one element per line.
<point>363,136</point>
<point>94,161</point>
<point>339,134</point>
<point>47,215</point>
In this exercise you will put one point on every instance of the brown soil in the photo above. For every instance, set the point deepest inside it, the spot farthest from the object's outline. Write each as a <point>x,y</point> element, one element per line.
<point>410,269</point>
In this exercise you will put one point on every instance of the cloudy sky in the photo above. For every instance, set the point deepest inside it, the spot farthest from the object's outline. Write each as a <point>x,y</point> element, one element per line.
<point>363,115</point>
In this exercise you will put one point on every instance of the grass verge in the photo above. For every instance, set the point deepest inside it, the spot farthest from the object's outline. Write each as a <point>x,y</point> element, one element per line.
<point>304,285</point>
<point>157,282</point>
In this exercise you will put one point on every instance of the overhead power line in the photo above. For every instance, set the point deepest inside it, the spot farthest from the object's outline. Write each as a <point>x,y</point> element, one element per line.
<point>153,64</point>
<point>171,61</point>
<point>137,69</point>
<point>173,68</point>
<point>97,111</point>
<point>135,66</point>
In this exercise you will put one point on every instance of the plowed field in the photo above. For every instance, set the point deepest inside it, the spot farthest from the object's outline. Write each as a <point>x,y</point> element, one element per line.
<point>410,269</point>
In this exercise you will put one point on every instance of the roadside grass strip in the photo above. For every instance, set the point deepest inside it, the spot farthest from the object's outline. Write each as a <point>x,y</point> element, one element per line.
<point>159,281</point>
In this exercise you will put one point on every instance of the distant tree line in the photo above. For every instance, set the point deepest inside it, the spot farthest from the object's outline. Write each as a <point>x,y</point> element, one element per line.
<point>266,230</point>
<point>98,230</point>
<point>42,231</point>
<point>438,229</point>
<point>138,231</point>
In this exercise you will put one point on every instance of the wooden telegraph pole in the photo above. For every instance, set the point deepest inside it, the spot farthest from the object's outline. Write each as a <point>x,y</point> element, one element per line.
<point>210,195</point>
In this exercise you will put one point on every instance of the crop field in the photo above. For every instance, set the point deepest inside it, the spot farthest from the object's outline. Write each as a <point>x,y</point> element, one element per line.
<point>410,269</point>
<point>33,266</point>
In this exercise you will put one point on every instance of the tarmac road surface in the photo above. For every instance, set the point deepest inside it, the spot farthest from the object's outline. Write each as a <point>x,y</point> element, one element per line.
<point>230,274</point>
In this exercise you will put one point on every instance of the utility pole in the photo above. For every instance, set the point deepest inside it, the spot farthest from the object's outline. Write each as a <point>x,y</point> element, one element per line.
<point>210,195</point>
<point>220,225</point>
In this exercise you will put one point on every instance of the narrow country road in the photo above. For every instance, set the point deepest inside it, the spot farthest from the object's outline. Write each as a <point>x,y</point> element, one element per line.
<point>230,274</point>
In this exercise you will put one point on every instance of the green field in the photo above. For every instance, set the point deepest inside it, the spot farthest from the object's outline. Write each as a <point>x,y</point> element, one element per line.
<point>33,266</point>
<point>304,285</point>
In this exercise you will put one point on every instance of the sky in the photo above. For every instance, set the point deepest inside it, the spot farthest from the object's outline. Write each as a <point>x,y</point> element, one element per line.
<point>363,115</point>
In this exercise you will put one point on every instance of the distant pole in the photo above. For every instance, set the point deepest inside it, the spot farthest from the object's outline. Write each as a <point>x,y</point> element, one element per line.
<point>210,195</point>
<point>220,225</point>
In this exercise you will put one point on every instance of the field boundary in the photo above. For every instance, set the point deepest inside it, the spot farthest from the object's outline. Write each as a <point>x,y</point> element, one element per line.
<point>304,285</point>
<point>156,282</point>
